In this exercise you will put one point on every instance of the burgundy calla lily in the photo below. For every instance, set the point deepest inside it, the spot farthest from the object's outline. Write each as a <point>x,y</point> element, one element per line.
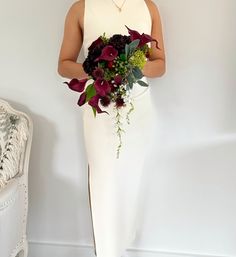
<point>102,86</point>
<point>144,38</point>
<point>133,34</point>
<point>94,103</point>
<point>109,53</point>
<point>95,43</point>
<point>77,85</point>
<point>82,99</point>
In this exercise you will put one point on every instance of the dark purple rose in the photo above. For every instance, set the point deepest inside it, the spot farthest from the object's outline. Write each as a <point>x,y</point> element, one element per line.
<point>102,86</point>
<point>109,53</point>
<point>119,41</point>
<point>144,38</point>
<point>77,85</point>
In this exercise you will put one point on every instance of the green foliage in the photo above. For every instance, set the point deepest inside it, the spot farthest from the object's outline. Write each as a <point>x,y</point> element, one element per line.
<point>102,64</point>
<point>126,50</point>
<point>94,111</point>
<point>119,130</point>
<point>129,48</point>
<point>137,73</point>
<point>104,38</point>
<point>133,45</point>
<point>90,92</point>
<point>109,74</point>
<point>138,59</point>
<point>145,48</point>
<point>128,113</point>
<point>130,79</point>
<point>123,57</point>
<point>121,65</point>
<point>142,83</point>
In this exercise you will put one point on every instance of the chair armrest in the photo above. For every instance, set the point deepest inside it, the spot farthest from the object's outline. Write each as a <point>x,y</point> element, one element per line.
<point>8,193</point>
<point>17,129</point>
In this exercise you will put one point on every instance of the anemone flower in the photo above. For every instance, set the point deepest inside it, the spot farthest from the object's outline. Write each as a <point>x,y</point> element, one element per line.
<point>144,38</point>
<point>77,85</point>
<point>98,72</point>
<point>119,102</point>
<point>105,100</point>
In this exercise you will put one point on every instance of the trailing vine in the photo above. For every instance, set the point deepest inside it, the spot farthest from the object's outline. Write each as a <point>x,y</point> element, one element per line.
<point>119,124</point>
<point>119,130</point>
<point>128,113</point>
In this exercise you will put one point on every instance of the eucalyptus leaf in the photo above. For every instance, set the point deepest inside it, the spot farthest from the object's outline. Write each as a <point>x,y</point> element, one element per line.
<point>137,73</point>
<point>130,80</point>
<point>142,83</point>
<point>129,49</point>
<point>126,50</point>
<point>127,87</point>
<point>133,44</point>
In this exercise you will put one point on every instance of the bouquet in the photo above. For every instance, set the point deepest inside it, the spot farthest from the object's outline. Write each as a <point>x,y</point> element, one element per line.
<point>114,64</point>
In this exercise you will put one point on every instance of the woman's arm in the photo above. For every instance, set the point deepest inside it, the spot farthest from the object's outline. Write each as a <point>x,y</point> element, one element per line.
<point>72,43</point>
<point>155,65</point>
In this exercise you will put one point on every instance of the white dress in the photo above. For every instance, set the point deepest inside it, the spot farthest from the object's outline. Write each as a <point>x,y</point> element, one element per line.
<point>114,183</point>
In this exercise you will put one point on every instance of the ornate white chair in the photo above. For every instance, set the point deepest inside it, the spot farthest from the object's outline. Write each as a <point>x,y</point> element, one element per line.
<point>16,130</point>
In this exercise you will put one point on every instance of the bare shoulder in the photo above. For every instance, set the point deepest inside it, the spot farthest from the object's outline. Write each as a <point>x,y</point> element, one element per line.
<point>153,8</point>
<point>77,11</point>
<point>78,5</point>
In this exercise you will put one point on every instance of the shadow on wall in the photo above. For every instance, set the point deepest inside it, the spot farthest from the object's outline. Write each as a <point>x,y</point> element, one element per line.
<point>51,195</point>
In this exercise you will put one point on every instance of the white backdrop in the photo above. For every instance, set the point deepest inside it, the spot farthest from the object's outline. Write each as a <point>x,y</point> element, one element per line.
<point>190,184</point>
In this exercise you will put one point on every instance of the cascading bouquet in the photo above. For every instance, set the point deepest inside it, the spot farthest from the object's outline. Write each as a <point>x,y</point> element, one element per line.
<point>114,64</point>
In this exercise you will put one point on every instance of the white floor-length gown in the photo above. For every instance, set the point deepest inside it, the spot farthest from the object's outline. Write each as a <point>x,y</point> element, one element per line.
<point>114,184</point>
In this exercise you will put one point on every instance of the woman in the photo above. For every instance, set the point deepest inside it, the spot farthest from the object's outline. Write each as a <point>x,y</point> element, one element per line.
<point>114,184</point>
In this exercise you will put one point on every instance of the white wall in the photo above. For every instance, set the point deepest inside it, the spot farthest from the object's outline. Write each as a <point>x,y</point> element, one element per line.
<point>190,184</point>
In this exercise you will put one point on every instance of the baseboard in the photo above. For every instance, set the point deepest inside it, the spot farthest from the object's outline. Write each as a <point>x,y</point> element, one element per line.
<point>62,249</point>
